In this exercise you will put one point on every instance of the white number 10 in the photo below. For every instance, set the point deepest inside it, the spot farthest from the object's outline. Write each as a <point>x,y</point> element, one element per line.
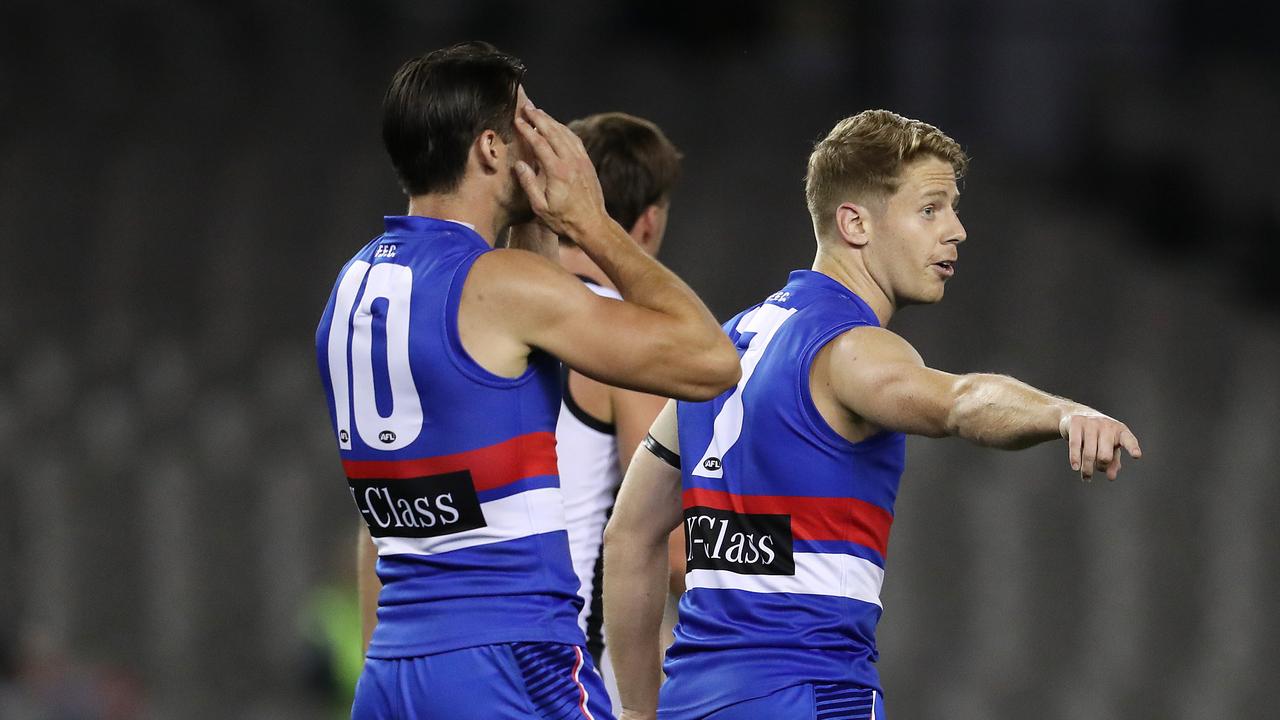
<point>394,283</point>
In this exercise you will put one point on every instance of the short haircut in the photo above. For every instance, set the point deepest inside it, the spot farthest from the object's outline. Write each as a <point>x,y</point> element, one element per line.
<point>439,103</point>
<point>635,161</point>
<point>863,157</point>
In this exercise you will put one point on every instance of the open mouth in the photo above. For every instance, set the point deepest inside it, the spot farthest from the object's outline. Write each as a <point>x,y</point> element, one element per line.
<point>946,268</point>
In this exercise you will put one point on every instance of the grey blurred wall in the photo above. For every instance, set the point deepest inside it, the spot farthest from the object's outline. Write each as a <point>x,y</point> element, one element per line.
<point>180,182</point>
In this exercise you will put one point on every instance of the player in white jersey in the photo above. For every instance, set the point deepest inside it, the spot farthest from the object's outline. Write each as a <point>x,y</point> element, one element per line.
<point>600,426</point>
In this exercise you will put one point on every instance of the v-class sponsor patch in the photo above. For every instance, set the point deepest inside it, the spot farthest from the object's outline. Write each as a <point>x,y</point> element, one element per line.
<point>748,544</point>
<point>419,507</point>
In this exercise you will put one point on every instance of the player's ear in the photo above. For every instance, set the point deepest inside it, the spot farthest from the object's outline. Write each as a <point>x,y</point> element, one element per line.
<point>650,227</point>
<point>853,224</point>
<point>490,151</point>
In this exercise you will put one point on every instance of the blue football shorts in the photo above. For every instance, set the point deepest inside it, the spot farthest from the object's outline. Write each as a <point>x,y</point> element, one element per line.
<point>808,702</point>
<point>546,681</point>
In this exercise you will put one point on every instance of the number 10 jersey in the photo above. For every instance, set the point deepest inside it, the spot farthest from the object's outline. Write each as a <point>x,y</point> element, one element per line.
<point>453,468</point>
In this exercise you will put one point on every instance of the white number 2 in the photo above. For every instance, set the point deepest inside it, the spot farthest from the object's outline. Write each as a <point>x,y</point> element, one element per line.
<point>394,283</point>
<point>764,321</point>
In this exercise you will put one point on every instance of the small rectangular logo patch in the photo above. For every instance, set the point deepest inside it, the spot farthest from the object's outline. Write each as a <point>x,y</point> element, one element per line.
<point>743,543</point>
<point>419,507</point>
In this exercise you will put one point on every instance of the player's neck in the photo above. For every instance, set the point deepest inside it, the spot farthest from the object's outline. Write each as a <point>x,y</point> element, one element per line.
<point>576,262</point>
<point>478,211</point>
<point>853,275</point>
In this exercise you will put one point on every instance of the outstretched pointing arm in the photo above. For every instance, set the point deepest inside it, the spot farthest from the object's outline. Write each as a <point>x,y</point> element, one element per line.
<point>880,378</point>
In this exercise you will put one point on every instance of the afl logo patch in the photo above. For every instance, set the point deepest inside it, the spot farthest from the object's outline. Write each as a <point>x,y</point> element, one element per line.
<point>711,463</point>
<point>387,436</point>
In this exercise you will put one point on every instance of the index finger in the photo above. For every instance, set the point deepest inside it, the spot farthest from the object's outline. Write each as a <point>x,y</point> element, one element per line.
<point>561,138</point>
<point>1130,443</point>
<point>1073,442</point>
<point>542,149</point>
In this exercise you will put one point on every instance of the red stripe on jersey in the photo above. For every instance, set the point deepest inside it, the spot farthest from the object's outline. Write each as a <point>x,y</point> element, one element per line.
<point>812,518</point>
<point>521,457</point>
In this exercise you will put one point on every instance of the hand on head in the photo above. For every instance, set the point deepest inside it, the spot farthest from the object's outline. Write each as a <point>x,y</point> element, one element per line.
<point>564,191</point>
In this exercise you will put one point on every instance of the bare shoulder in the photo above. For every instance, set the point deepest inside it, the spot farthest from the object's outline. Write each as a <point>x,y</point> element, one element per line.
<point>513,273</point>
<point>519,285</point>
<point>869,346</point>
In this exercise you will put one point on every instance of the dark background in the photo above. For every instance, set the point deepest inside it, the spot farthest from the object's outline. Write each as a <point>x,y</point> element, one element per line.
<point>180,183</point>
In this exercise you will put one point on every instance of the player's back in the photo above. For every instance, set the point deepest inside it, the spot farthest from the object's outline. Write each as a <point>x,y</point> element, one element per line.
<point>452,467</point>
<point>786,521</point>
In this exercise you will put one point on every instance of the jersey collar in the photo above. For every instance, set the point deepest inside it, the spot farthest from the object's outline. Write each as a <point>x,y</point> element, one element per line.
<point>821,281</point>
<point>406,226</point>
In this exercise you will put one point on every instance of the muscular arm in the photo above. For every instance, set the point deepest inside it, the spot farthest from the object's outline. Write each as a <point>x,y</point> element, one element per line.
<point>635,560</point>
<point>882,380</point>
<point>513,301</point>
<point>661,339</point>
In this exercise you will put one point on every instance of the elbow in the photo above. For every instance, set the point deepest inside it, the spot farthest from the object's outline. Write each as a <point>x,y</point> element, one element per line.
<point>619,544</point>
<point>713,384</point>
<point>719,370</point>
<point>622,537</point>
<point>727,369</point>
<point>615,536</point>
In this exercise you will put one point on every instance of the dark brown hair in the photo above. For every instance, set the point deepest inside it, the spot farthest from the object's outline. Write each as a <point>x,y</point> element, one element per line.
<point>439,103</point>
<point>635,161</point>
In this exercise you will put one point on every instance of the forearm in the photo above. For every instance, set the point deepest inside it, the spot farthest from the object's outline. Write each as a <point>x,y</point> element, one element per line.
<point>642,280</point>
<point>1002,412</point>
<point>370,585</point>
<point>635,584</point>
<point>676,563</point>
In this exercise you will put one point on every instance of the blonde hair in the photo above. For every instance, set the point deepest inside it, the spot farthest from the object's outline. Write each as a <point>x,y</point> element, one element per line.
<point>863,156</point>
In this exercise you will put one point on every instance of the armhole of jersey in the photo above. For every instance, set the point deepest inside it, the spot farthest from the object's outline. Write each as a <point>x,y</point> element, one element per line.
<point>576,410</point>
<point>462,360</point>
<point>809,410</point>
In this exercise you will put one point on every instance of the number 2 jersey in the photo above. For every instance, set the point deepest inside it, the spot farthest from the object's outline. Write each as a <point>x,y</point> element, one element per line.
<point>786,522</point>
<point>453,468</point>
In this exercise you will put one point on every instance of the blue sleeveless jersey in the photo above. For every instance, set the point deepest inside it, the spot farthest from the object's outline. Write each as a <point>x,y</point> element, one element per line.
<point>786,522</point>
<point>452,467</point>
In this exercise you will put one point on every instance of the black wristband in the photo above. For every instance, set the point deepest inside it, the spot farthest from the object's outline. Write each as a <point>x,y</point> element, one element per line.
<point>661,452</point>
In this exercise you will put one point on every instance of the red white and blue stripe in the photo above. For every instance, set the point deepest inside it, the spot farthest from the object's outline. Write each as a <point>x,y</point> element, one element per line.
<point>787,523</point>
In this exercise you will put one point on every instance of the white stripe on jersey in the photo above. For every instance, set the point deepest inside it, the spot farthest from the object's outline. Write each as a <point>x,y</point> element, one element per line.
<point>531,512</point>
<point>816,574</point>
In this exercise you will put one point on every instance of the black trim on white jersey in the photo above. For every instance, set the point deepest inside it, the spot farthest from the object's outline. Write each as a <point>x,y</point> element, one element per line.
<point>662,452</point>
<point>582,415</point>
<point>595,616</point>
